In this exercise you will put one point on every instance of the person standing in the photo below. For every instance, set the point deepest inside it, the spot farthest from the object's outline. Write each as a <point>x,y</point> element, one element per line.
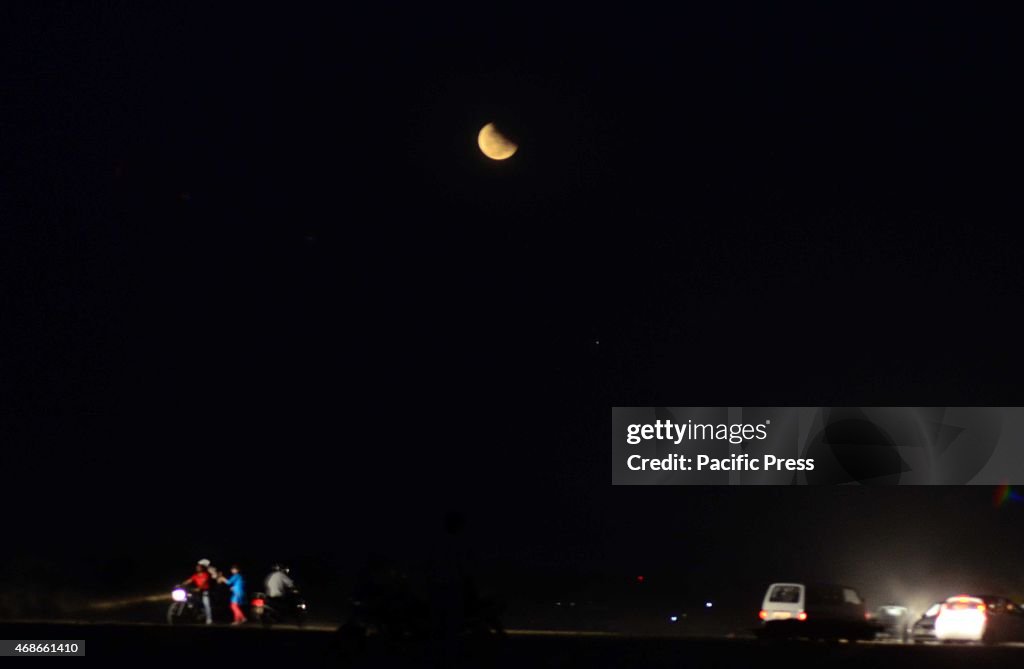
<point>237,585</point>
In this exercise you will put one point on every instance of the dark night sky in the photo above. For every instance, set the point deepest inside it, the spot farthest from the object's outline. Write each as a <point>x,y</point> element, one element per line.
<point>259,248</point>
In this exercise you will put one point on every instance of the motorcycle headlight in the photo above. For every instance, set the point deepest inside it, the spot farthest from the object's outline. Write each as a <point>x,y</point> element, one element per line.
<point>179,595</point>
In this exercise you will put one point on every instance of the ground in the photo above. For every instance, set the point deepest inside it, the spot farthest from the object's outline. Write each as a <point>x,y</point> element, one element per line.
<point>156,644</point>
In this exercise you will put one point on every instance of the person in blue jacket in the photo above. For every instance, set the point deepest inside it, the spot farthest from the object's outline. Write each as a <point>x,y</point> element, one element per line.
<point>237,585</point>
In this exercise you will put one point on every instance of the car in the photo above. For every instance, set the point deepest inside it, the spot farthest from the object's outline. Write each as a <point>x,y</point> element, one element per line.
<point>891,622</point>
<point>961,618</point>
<point>923,628</point>
<point>979,618</point>
<point>818,610</point>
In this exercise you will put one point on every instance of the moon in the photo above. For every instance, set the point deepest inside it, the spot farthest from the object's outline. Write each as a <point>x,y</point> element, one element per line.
<point>495,145</point>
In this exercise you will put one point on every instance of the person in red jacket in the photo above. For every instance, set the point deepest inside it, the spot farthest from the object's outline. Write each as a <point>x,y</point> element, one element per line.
<point>201,581</point>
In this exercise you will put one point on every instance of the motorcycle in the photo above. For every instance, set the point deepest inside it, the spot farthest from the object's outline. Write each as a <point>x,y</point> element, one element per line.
<point>271,611</point>
<point>186,607</point>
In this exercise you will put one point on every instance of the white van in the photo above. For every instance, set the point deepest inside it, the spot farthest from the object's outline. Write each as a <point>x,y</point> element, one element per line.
<point>817,603</point>
<point>784,601</point>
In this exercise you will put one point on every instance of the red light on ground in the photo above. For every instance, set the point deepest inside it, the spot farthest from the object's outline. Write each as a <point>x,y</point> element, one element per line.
<point>639,579</point>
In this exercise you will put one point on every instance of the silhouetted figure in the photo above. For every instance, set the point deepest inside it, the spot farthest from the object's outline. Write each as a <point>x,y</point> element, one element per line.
<point>438,606</point>
<point>384,599</point>
<point>459,611</point>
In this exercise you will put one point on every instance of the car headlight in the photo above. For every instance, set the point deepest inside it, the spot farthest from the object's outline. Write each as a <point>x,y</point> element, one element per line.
<point>179,595</point>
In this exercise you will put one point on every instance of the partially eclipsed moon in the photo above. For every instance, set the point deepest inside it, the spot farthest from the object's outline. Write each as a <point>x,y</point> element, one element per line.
<point>494,144</point>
